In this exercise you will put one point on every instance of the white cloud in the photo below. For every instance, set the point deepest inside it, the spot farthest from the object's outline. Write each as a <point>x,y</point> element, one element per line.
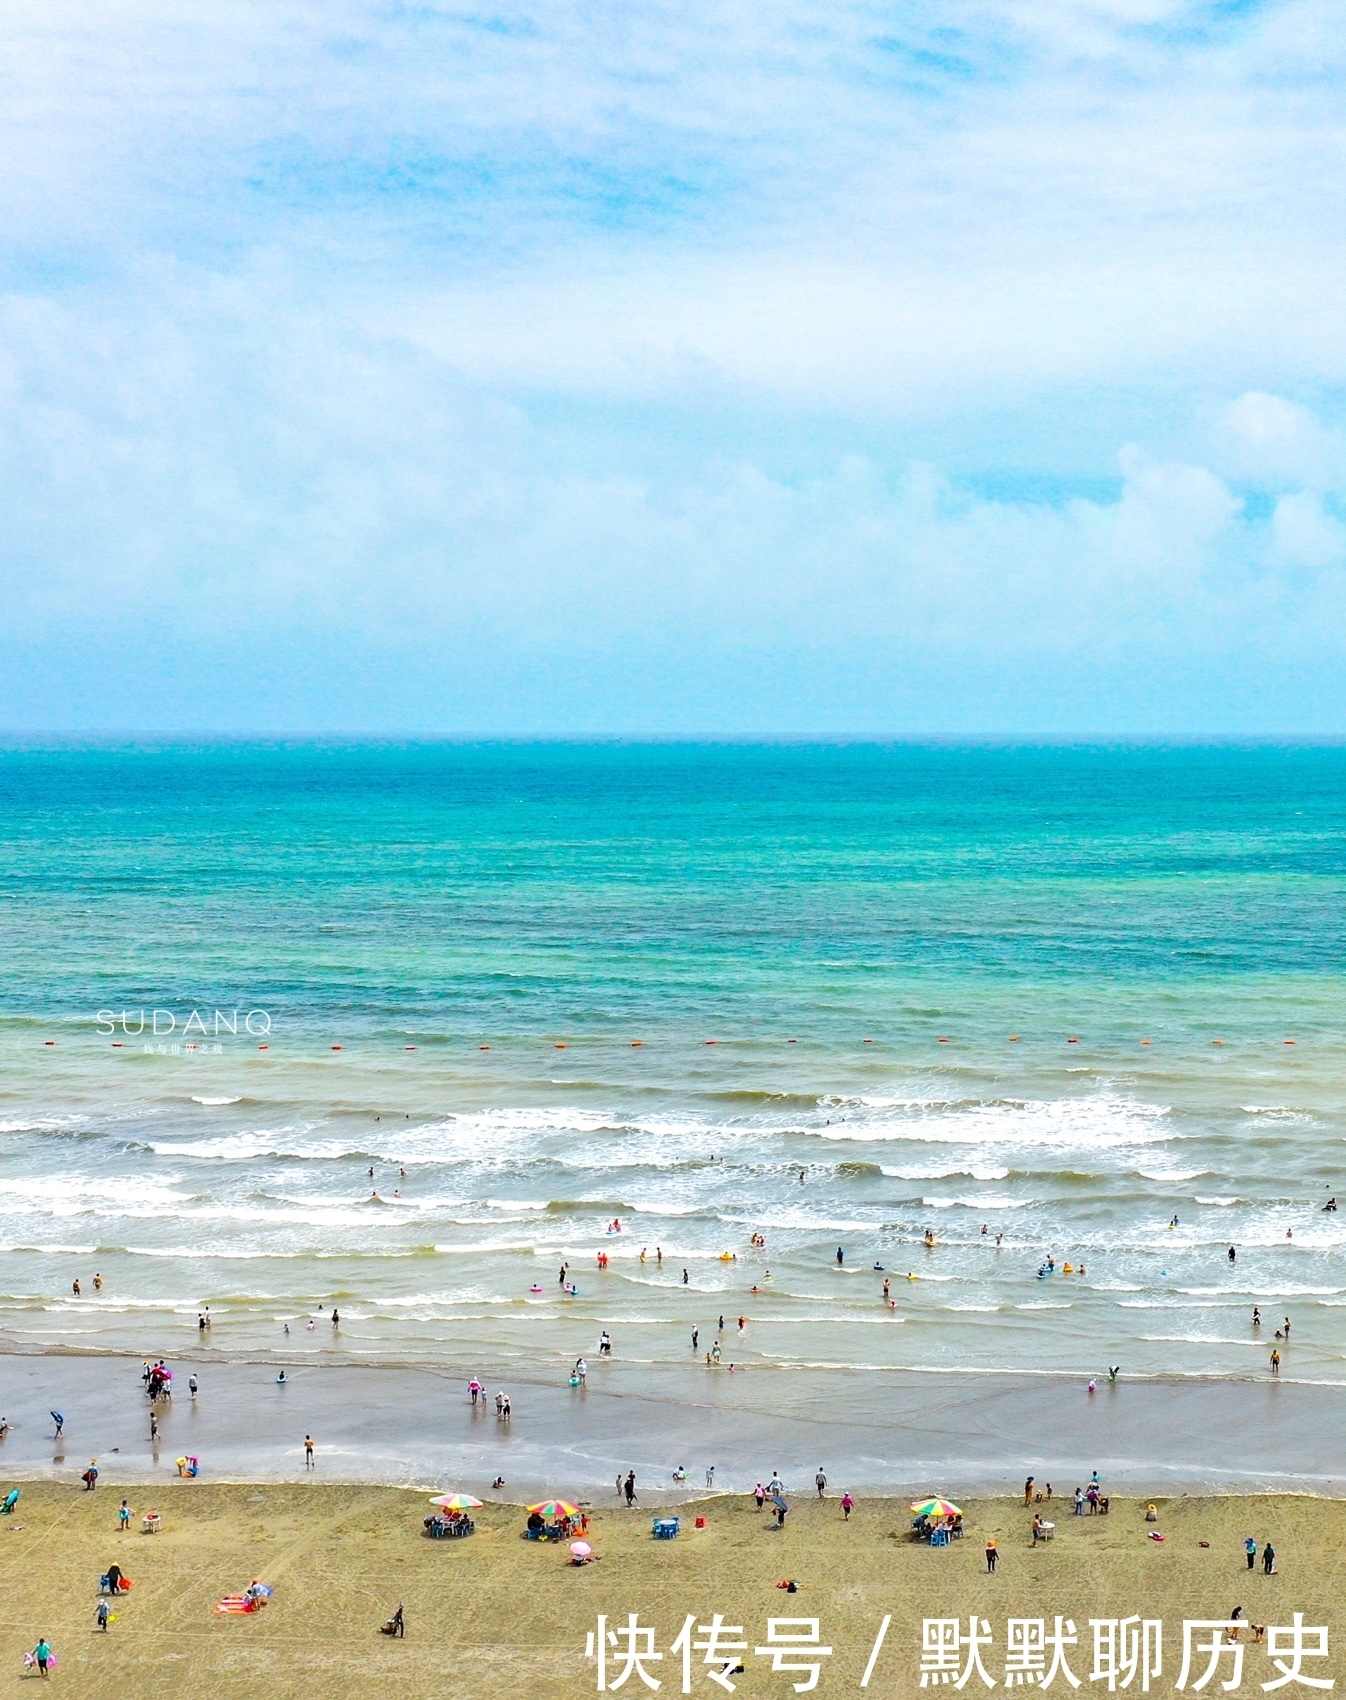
<point>1304,535</point>
<point>1267,439</point>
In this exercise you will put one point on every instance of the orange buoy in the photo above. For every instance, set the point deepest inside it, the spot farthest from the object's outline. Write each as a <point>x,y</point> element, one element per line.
<point>336,1047</point>
<point>869,1041</point>
<point>1072,1041</point>
<point>263,1047</point>
<point>792,1041</point>
<point>559,1045</point>
<point>1014,1038</point>
<point>483,1047</point>
<point>49,1041</point>
<point>636,1044</point>
<point>711,1041</point>
<point>1289,1041</point>
<point>1217,1041</point>
<point>943,1040</point>
<point>411,1047</point>
<point>1145,1041</point>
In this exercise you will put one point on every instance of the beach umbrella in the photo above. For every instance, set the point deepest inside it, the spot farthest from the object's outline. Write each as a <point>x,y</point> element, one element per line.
<point>936,1508</point>
<point>457,1502</point>
<point>555,1508</point>
<point>581,1549</point>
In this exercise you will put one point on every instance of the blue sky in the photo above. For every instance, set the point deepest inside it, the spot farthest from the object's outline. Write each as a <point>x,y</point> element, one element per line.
<point>907,368</point>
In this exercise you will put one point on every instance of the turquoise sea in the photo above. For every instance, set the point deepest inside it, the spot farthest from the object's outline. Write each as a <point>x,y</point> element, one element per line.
<point>975,990</point>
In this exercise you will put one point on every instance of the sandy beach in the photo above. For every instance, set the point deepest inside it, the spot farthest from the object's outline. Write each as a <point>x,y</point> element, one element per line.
<point>497,1609</point>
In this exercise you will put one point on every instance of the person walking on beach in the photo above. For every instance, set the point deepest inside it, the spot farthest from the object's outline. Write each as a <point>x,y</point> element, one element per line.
<point>308,1453</point>
<point>696,1335</point>
<point>59,1420</point>
<point>629,1488</point>
<point>154,1429</point>
<point>1232,1254</point>
<point>1028,1491</point>
<point>1275,1361</point>
<point>685,1277</point>
<point>103,1613</point>
<point>820,1482</point>
<point>41,1656</point>
<point>90,1476</point>
<point>710,1476</point>
<point>1250,1548</point>
<point>992,1556</point>
<point>847,1506</point>
<point>1268,1560</point>
<point>759,1494</point>
<point>582,1371</point>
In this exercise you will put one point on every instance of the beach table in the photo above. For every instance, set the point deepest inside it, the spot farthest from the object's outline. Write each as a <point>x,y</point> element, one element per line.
<point>665,1528</point>
<point>149,1523</point>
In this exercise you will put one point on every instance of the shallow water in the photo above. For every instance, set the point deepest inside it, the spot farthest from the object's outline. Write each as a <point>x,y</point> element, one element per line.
<point>828,916</point>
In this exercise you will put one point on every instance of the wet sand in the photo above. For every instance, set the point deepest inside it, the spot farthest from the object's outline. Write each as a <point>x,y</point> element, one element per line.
<point>877,1433</point>
<point>498,1610</point>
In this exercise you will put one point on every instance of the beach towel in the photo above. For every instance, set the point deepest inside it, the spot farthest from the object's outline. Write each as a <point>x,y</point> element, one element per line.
<point>235,1602</point>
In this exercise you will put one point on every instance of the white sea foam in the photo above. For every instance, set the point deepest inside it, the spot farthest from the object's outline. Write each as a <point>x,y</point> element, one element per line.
<point>943,1172</point>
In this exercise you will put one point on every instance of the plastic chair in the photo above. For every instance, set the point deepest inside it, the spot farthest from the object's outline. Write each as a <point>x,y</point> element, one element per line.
<point>939,1537</point>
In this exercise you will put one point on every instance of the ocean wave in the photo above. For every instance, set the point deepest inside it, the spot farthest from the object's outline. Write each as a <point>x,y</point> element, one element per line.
<point>1069,1124</point>
<point>978,1201</point>
<point>938,1172</point>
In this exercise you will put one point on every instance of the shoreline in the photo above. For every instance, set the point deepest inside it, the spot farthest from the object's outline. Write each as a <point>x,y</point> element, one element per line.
<point>973,1432</point>
<point>445,1369</point>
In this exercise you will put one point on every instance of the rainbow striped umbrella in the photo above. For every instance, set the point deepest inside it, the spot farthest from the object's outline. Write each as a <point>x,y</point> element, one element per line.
<point>457,1502</point>
<point>936,1508</point>
<point>555,1508</point>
